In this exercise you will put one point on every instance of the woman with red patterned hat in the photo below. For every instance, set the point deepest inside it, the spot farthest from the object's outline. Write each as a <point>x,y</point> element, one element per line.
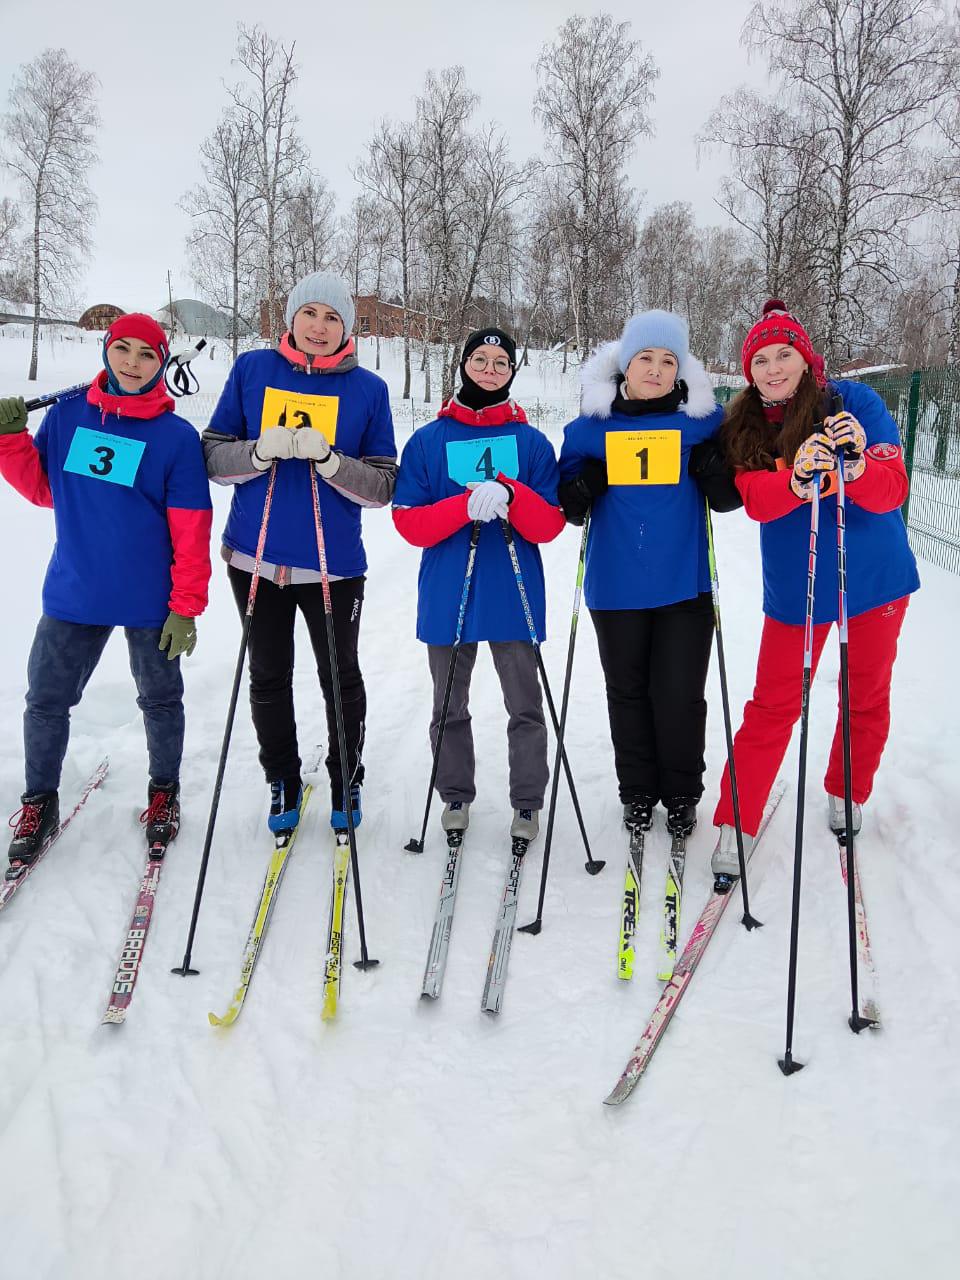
<point>782,439</point>
<point>128,486</point>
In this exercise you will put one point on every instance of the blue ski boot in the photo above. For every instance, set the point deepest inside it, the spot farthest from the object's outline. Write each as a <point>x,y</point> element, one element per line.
<point>338,817</point>
<point>285,798</point>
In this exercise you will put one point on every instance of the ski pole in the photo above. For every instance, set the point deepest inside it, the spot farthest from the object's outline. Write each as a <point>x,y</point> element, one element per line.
<point>856,1020</point>
<point>51,397</point>
<point>184,969</point>
<point>365,961</point>
<point>414,845</point>
<point>536,925</point>
<point>178,376</point>
<point>506,529</point>
<point>747,920</point>
<point>787,1064</point>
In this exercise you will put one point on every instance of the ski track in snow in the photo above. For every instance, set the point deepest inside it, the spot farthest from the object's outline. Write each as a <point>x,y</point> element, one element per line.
<point>422,1140</point>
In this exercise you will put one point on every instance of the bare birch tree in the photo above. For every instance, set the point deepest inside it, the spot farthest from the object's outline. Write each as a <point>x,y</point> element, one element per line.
<point>224,208</point>
<point>594,87</point>
<point>263,100</point>
<point>49,131</point>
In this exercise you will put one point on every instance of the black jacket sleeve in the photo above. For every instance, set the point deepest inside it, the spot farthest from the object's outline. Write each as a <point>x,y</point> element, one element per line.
<point>714,476</point>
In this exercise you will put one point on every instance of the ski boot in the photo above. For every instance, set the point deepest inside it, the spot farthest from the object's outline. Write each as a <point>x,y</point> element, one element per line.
<point>525,824</point>
<point>837,816</point>
<point>285,797</point>
<point>681,814</point>
<point>34,823</point>
<point>161,818</point>
<point>338,814</point>
<point>456,815</point>
<point>638,814</point>
<point>726,859</point>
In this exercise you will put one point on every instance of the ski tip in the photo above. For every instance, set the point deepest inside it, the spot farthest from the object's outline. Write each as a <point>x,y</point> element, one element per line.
<point>594,866</point>
<point>114,1017</point>
<point>665,974</point>
<point>228,1019</point>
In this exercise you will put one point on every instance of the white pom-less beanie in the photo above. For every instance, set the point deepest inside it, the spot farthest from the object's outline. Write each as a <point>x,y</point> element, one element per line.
<point>654,329</point>
<point>322,287</point>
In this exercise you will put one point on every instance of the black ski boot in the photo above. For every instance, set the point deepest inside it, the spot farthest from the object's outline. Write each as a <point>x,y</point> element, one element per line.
<point>34,824</point>
<point>161,818</point>
<point>681,814</point>
<point>638,814</point>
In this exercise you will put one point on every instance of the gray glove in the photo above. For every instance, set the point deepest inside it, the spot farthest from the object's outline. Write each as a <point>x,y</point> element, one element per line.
<point>488,501</point>
<point>275,445</point>
<point>311,445</point>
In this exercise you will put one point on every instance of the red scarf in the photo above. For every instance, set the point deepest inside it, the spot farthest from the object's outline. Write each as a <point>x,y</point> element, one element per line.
<point>495,415</point>
<point>310,363</point>
<point>149,405</point>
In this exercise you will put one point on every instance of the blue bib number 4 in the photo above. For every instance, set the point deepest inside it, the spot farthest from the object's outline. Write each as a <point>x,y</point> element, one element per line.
<point>102,456</point>
<point>473,461</point>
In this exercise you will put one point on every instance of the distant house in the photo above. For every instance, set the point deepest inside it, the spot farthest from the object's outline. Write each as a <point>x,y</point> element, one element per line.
<point>190,315</point>
<point>100,316</point>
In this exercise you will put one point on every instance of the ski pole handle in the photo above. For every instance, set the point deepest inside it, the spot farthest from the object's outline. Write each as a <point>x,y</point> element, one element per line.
<point>41,402</point>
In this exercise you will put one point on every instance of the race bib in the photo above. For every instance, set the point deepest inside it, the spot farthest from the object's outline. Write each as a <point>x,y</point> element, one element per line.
<point>291,409</point>
<point>102,456</point>
<point>643,457</point>
<point>484,458</point>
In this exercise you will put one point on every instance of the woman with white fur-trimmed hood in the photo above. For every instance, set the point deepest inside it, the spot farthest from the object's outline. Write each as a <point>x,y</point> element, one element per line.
<point>648,424</point>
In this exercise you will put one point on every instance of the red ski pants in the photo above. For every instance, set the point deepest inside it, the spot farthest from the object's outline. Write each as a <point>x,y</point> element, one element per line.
<point>769,716</point>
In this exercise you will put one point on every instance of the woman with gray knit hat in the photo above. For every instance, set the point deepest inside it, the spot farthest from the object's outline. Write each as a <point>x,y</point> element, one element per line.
<point>648,407</point>
<point>306,404</point>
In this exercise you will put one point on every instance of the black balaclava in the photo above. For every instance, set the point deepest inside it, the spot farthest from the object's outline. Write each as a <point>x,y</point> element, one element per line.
<point>493,340</point>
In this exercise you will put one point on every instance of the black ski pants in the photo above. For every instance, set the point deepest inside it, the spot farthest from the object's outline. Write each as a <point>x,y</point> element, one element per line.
<point>655,666</point>
<point>271,658</point>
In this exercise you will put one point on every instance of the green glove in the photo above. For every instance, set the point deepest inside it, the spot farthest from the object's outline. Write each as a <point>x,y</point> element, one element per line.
<point>13,416</point>
<point>180,634</point>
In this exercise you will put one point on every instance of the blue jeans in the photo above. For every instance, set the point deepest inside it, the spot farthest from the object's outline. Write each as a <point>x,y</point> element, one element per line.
<point>63,658</point>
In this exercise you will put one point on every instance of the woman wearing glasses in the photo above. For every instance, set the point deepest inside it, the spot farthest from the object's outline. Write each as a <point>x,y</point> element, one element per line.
<point>480,461</point>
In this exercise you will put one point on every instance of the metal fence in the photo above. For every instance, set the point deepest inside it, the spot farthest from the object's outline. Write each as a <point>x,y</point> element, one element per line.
<point>926,406</point>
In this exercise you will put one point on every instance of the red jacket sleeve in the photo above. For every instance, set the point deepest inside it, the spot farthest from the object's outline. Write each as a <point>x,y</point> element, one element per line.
<point>20,464</point>
<point>883,486</point>
<point>190,571</point>
<point>427,525</point>
<point>532,516</point>
<point>767,494</point>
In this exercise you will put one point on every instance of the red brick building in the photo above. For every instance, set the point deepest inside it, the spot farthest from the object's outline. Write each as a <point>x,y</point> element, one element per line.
<point>374,318</point>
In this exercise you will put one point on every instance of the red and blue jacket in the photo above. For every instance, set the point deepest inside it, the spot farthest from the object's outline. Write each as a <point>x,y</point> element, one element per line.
<point>128,486</point>
<point>880,565</point>
<point>430,511</point>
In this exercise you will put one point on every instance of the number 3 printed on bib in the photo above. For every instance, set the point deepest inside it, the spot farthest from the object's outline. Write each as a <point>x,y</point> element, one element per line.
<point>101,456</point>
<point>643,457</point>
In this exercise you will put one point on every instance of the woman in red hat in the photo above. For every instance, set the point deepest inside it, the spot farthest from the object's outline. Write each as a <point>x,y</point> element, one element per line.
<point>128,486</point>
<point>782,435</point>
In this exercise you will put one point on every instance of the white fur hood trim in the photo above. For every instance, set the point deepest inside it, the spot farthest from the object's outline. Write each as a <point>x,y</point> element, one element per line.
<point>601,376</point>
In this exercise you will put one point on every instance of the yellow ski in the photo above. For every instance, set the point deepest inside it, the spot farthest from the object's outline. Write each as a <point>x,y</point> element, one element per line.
<point>630,903</point>
<point>271,883</point>
<point>333,965</point>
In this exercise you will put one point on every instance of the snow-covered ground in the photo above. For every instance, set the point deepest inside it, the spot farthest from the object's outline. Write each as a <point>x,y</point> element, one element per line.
<point>430,1141</point>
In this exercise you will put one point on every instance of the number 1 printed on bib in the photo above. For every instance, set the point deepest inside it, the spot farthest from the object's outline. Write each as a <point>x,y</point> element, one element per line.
<point>643,457</point>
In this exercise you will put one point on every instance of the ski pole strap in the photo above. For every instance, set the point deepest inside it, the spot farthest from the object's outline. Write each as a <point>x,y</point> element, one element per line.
<point>467,578</point>
<point>179,377</point>
<point>41,402</point>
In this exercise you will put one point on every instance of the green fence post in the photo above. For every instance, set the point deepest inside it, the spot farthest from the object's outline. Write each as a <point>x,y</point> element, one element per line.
<point>913,413</point>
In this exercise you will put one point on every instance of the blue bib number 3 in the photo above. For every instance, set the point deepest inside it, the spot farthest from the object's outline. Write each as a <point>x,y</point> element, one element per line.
<point>473,461</point>
<point>102,456</point>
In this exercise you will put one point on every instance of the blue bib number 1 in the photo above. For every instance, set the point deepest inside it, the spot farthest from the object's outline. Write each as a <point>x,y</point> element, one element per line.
<point>473,461</point>
<point>102,456</point>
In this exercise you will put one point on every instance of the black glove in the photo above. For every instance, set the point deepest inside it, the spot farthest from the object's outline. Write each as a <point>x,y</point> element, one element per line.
<point>578,495</point>
<point>709,467</point>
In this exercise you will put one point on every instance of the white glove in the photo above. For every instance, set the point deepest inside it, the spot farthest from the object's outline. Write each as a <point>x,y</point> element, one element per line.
<point>275,444</point>
<point>488,501</point>
<point>311,445</point>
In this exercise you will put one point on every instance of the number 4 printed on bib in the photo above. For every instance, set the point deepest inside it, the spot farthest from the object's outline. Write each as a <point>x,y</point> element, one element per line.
<point>643,457</point>
<point>484,458</point>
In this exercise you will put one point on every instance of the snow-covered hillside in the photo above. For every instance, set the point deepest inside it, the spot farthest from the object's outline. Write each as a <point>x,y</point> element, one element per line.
<point>430,1142</point>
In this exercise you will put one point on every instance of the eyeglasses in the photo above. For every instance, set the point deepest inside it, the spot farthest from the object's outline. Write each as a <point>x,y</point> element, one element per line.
<point>479,361</point>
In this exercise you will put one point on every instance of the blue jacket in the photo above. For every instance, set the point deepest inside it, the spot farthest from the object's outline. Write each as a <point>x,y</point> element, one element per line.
<point>648,542</point>
<point>264,389</point>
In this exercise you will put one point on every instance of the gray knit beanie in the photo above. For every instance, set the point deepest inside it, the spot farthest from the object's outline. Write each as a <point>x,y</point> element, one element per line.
<point>322,287</point>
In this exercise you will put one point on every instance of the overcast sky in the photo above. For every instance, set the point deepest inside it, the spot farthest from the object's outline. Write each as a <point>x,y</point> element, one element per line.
<point>162,70</point>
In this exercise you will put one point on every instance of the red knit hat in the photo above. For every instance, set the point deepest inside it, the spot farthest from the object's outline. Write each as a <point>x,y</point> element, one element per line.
<point>143,327</point>
<point>777,325</point>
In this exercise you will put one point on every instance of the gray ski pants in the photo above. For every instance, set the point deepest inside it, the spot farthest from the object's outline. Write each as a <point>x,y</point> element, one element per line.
<point>516,666</point>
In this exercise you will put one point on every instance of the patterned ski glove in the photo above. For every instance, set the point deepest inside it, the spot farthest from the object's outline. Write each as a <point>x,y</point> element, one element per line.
<point>488,501</point>
<point>814,456</point>
<point>275,445</point>
<point>180,634</point>
<point>311,445</point>
<point>13,416</point>
<point>846,433</point>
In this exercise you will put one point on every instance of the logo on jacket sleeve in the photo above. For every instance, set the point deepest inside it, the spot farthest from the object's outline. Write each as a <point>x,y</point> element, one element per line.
<point>884,452</point>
